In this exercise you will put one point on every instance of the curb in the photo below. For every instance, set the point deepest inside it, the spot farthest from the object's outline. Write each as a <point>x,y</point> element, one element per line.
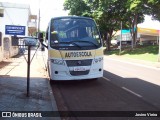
<point>53,102</point>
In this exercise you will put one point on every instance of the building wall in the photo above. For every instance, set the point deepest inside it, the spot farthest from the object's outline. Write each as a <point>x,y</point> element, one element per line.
<point>8,49</point>
<point>14,14</point>
<point>1,53</point>
<point>1,47</point>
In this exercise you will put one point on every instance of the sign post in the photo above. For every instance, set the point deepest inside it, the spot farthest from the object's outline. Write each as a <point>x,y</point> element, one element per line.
<point>28,69</point>
<point>20,30</point>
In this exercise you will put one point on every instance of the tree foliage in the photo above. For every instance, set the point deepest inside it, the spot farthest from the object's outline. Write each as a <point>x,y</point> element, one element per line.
<point>77,7</point>
<point>153,7</point>
<point>135,14</point>
<point>109,14</point>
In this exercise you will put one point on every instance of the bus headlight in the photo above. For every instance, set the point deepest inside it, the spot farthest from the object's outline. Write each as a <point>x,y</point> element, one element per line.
<point>96,60</point>
<point>58,62</point>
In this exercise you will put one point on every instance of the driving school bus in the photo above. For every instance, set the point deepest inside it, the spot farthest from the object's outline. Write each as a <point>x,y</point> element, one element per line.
<point>75,50</point>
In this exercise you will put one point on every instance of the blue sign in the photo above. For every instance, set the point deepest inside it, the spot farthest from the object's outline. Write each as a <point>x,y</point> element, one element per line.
<point>125,31</point>
<point>14,30</point>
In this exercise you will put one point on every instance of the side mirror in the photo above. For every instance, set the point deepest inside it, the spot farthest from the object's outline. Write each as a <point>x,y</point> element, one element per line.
<point>42,48</point>
<point>40,37</point>
<point>47,35</point>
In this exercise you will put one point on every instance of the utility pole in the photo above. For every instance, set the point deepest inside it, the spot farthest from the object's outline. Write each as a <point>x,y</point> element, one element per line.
<point>39,17</point>
<point>120,42</point>
<point>159,47</point>
<point>1,11</point>
<point>39,21</point>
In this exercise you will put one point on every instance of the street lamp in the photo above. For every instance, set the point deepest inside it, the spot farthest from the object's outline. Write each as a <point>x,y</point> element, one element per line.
<point>1,12</point>
<point>39,17</point>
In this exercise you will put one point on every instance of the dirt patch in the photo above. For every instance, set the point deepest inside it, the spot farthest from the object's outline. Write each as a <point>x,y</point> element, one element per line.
<point>4,63</point>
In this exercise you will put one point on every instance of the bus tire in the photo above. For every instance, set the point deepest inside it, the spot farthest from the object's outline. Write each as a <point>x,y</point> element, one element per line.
<point>94,79</point>
<point>51,81</point>
<point>48,71</point>
<point>54,81</point>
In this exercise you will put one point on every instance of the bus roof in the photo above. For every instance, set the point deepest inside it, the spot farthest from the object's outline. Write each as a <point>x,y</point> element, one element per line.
<point>80,17</point>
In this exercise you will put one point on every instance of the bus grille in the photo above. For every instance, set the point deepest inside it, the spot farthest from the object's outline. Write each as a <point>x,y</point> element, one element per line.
<point>71,63</point>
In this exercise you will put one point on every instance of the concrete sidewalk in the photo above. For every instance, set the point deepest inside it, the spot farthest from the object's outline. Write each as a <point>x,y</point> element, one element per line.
<point>13,87</point>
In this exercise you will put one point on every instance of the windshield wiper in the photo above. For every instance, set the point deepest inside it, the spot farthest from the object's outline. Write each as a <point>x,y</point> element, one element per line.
<point>71,42</point>
<point>86,41</point>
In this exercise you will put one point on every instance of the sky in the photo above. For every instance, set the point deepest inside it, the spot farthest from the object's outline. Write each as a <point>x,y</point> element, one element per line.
<point>149,23</point>
<point>54,8</point>
<point>48,9</point>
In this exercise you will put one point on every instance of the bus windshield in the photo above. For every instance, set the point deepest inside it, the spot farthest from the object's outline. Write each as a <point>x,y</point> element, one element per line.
<point>74,33</point>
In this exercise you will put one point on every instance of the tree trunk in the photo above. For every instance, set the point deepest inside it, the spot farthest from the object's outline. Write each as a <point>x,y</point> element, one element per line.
<point>109,43</point>
<point>108,36</point>
<point>109,39</point>
<point>105,39</point>
<point>133,28</point>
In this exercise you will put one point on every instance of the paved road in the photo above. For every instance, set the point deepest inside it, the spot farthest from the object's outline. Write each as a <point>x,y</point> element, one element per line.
<point>142,81</point>
<point>118,90</point>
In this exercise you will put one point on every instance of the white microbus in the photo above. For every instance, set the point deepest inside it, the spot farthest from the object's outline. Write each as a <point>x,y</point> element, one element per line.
<point>75,50</point>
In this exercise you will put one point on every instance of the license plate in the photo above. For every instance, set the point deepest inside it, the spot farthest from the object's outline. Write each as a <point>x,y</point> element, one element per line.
<point>79,69</point>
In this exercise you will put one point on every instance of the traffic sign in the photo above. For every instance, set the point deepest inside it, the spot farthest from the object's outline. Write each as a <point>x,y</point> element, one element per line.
<point>14,30</point>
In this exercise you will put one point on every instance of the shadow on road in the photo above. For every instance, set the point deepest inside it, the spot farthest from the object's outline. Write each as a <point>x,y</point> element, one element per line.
<point>147,90</point>
<point>103,95</point>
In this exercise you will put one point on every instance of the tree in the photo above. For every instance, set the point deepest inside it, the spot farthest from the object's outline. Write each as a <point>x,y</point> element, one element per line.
<point>109,13</point>
<point>135,14</point>
<point>153,8</point>
<point>77,7</point>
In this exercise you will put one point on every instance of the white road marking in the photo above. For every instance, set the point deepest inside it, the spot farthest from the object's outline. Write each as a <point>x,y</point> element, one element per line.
<point>128,90</point>
<point>106,79</point>
<point>131,91</point>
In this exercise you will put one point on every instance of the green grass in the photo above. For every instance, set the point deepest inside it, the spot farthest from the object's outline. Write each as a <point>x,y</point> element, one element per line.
<point>148,53</point>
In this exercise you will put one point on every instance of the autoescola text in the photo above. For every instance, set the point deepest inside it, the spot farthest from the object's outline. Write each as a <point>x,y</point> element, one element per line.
<point>78,54</point>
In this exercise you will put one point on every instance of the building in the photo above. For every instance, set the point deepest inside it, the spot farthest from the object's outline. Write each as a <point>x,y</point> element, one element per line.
<point>148,32</point>
<point>12,14</point>
<point>144,36</point>
<point>147,35</point>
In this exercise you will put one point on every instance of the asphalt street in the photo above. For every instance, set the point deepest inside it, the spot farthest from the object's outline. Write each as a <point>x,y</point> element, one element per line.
<point>124,87</point>
<point>144,81</point>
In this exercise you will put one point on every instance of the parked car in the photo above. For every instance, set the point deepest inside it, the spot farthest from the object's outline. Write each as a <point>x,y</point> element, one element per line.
<point>30,41</point>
